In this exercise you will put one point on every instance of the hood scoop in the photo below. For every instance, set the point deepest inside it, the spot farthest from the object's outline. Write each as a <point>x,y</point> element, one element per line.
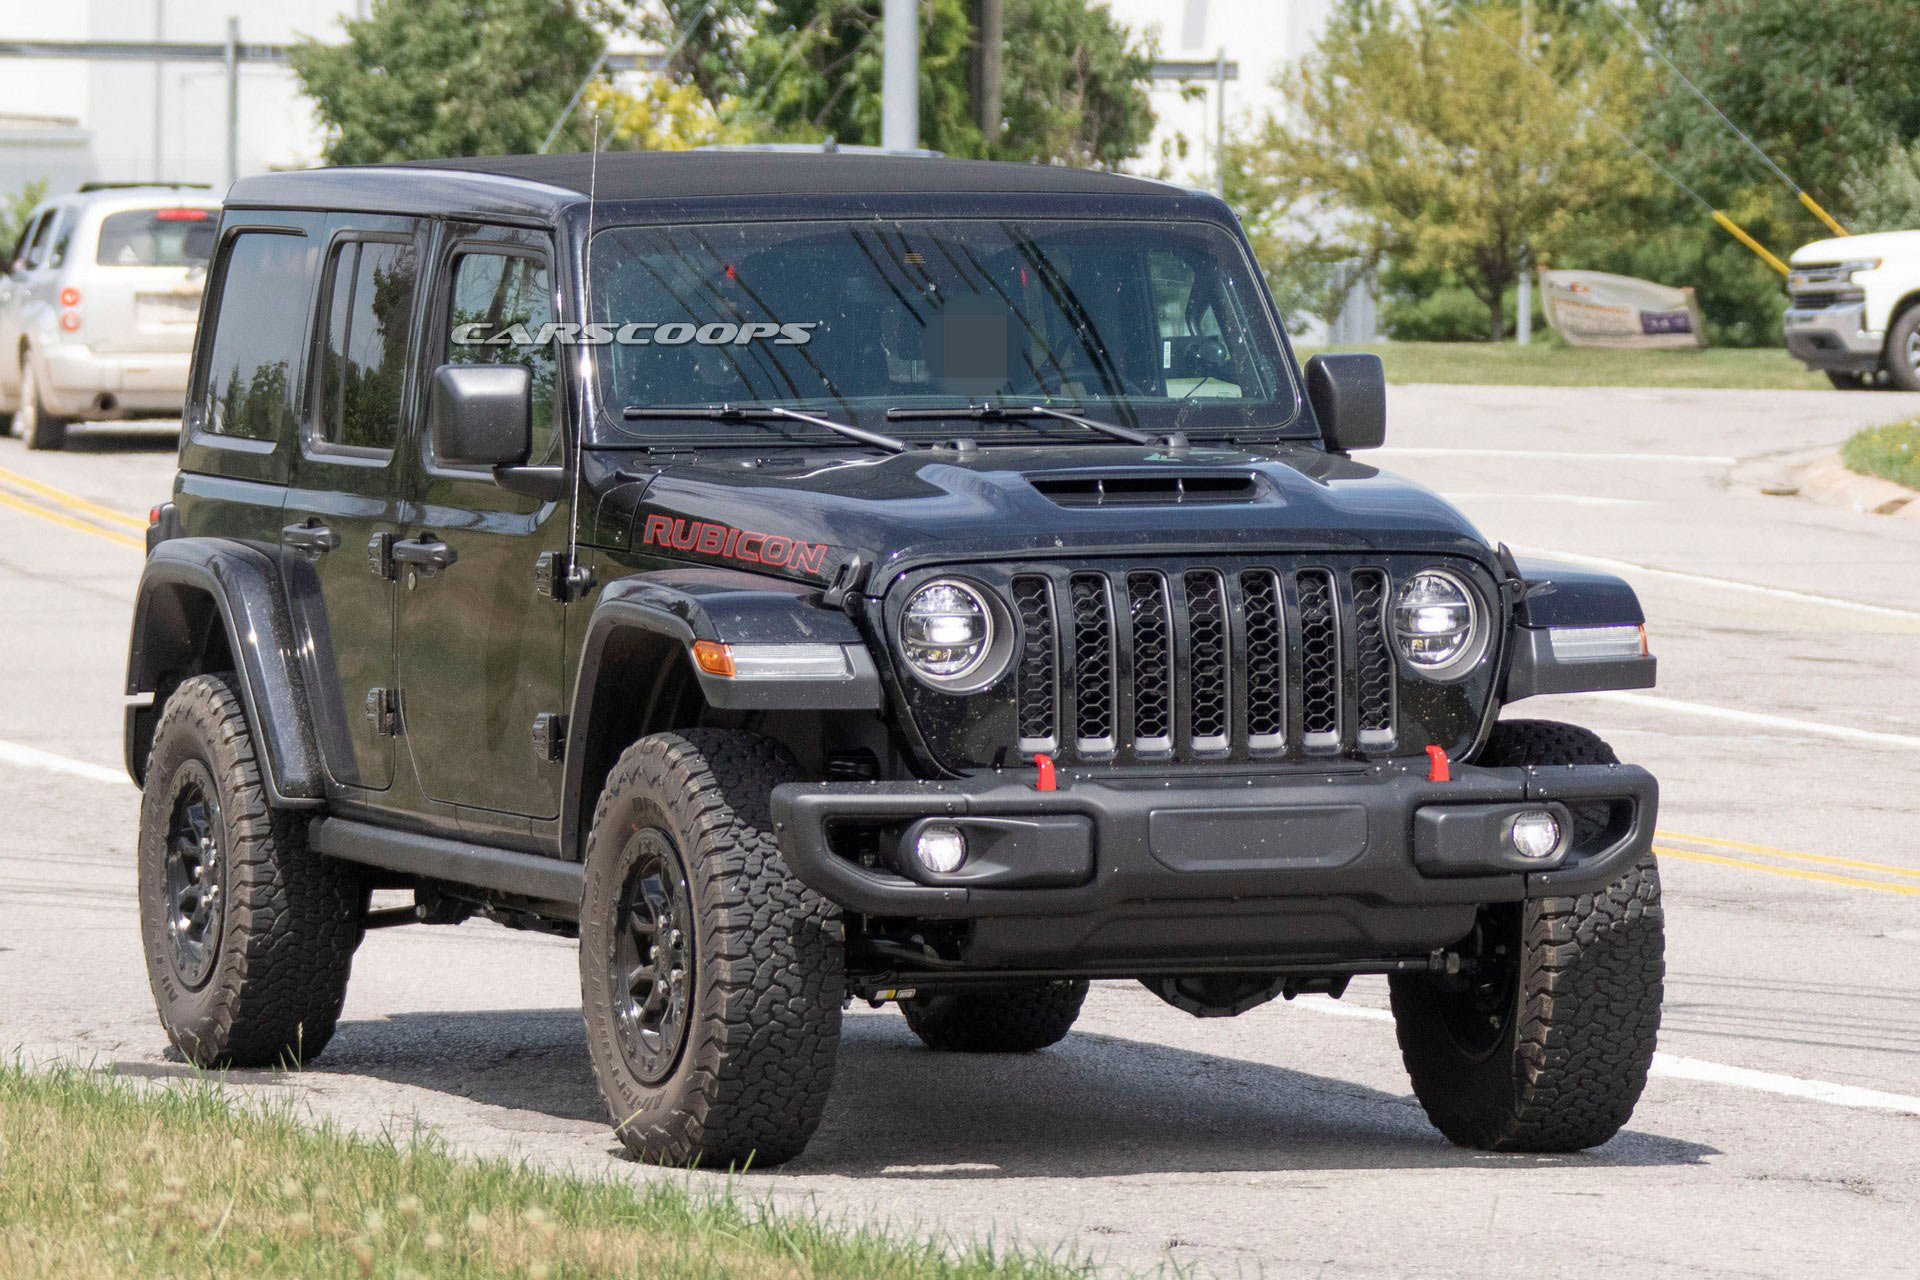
<point>1155,489</point>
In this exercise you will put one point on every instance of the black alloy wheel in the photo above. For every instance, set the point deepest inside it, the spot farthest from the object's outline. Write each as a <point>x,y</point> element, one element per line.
<point>652,960</point>
<point>193,874</point>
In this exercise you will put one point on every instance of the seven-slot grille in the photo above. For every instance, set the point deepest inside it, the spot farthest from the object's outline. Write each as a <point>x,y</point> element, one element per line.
<point>1203,662</point>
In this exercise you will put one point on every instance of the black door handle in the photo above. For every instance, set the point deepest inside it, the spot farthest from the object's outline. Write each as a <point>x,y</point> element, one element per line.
<point>429,555</point>
<point>311,539</point>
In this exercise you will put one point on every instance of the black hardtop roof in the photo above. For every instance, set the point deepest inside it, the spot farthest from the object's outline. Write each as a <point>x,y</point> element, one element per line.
<point>531,185</point>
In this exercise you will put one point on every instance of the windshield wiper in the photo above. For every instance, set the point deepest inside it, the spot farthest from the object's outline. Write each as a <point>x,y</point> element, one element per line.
<point>1016,413</point>
<point>761,413</point>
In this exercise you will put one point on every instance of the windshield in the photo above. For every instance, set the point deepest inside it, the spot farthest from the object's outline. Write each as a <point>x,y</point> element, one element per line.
<point>1160,326</point>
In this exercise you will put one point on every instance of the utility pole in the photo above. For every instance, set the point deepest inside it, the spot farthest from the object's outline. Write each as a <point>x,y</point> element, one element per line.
<point>900,76</point>
<point>159,91</point>
<point>1220,122</point>
<point>233,99</point>
<point>989,34</point>
<point>1523,313</point>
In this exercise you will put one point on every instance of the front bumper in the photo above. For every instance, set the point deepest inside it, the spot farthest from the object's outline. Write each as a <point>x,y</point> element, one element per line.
<point>1366,861</point>
<point>1835,338</point>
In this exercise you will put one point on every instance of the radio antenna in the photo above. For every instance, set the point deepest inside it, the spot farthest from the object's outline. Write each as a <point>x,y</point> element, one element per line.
<point>576,579</point>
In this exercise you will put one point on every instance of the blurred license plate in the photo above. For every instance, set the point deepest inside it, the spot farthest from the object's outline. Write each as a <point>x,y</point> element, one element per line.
<point>166,308</point>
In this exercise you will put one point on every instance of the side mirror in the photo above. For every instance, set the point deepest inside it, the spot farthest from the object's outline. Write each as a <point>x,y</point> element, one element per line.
<point>481,414</point>
<point>1349,395</point>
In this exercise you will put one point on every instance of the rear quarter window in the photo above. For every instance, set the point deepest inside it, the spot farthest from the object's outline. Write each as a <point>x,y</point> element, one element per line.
<point>259,326</point>
<point>164,237</point>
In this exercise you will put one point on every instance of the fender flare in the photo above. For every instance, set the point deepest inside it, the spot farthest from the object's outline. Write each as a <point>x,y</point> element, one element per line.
<point>243,585</point>
<point>681,607</point>
<point>1559,595</point>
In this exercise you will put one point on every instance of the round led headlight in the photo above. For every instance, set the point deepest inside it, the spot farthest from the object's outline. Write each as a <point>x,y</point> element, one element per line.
<point>1437,623</point>
<point>947,632</point>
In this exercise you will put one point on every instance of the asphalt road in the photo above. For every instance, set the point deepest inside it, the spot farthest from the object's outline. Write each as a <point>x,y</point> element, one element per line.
<point>1779,1137</point>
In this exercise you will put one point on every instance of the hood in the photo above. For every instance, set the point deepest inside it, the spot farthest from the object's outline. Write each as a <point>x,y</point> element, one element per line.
<point>1880,244</point>
<point>805,516</point>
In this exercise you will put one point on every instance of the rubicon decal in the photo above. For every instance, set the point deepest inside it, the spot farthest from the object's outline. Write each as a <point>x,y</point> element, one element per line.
<point>730,543</point>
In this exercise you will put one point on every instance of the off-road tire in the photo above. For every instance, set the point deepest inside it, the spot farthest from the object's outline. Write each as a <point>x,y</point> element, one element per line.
<point>288,918</point>
<point>1018,1019</point>
<point>749,1078</point>
<point>1900,350</point>
<point>40,429</point>
<point>1564,1059</point>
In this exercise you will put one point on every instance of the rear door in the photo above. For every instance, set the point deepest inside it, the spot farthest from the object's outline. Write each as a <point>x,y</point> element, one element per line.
<point>481,651</point>
<point>13,302</point>
<point>343,506</point>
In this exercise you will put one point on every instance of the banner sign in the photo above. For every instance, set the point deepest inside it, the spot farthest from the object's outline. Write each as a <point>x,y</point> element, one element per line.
<point>1594,309</point>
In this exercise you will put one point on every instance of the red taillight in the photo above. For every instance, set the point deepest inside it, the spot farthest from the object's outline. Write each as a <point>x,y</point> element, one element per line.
<point>180,215</point>
<point>69,297</point>
<point>70,321</point>
<point>153,516</point>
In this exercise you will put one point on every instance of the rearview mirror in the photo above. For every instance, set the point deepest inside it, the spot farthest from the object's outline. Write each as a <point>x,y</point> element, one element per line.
<point>481,414</point>
<point>1349,396</point>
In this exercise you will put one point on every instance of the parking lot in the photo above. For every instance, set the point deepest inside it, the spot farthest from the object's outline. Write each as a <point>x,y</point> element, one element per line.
<point>1779,1137</point>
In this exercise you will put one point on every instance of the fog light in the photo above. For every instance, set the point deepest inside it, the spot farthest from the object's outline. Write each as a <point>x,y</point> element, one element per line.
<point>1535,834</point>
<point>941,848</point>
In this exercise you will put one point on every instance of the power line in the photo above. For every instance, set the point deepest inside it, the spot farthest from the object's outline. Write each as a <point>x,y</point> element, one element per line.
<point>1812,205</point>
<point>1731,227</point>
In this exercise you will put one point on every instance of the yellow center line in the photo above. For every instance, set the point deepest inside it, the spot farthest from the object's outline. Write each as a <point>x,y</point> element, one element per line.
<point>1854,864</point>
<point>72,501</point>
<point>55,517</point>
<point>1797,873</point>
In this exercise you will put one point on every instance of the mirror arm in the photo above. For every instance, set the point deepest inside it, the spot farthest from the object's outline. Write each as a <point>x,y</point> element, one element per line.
<point>549,484</point>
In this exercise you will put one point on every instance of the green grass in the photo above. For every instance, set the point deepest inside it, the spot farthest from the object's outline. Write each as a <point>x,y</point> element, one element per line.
<point>101,1179</point>
<point>1547,363</point>
<point>1891,452</point>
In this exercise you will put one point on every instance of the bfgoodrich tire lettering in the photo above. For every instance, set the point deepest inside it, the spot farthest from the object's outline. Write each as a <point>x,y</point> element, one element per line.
<point>761,958</point>
<point>273,926</point>
<point>1547,1046</point>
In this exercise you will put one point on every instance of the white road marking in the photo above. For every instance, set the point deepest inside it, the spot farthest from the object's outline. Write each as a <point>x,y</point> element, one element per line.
<point>1724,584</point>
<point>1673,1067</point>
<point>1577,499</point>
<point>1703,459</point>
<point>1654,702</point>
<point>34,758</point>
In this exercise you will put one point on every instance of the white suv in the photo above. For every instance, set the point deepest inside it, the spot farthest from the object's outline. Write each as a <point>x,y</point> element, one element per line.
<point>1853,309</point>
<point>98,306</point>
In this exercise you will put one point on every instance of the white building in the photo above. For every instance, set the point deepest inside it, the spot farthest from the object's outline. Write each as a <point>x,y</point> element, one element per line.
<point>122,121</point>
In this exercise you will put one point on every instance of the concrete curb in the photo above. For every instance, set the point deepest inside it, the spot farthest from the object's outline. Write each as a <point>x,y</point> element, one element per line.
<point>1820,475</point>
<point>1829,481</point>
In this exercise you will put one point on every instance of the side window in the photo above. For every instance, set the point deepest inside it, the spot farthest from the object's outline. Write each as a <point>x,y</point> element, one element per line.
<point>19,258</point>
<point>62,237</point>
<point>259,323</point>
<point>37,247</point>
<point>500,302</point>
<point>364,358</point>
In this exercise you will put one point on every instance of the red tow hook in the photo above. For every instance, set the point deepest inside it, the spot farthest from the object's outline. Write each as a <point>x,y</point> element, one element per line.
<point>1438,770</point>
<point>1045,781</point>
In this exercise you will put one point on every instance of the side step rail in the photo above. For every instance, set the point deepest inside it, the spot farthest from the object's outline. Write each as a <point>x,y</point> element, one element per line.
<point>548,880</point>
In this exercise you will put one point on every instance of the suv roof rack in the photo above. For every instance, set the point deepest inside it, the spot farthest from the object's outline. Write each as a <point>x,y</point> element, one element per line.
<point>829,146</point>
<point>134,186</point>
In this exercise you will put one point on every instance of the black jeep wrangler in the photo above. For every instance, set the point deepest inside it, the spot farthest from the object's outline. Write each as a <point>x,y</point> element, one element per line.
<point>816,577</point>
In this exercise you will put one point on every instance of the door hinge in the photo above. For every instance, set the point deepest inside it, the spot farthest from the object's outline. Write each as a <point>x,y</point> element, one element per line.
<point>383,712</point>
<point>549,735</point>
<point>380,556</point>
<point>556,577</point>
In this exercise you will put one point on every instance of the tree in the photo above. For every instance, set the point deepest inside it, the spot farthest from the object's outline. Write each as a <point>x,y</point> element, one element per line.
<point>803,70</point>
<point>1418,133</point>
<point>14,210</point>
<point>424,78</point>
<point>1886,198</point>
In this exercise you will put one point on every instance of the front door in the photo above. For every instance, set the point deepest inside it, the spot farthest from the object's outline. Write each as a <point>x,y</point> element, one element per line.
<point>343,506</point>
<point>481,651</point>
